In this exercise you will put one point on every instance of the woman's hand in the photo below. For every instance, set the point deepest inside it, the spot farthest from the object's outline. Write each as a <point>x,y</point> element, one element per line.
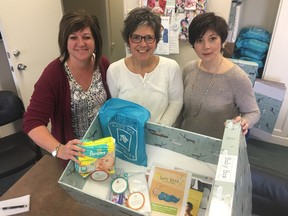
<point>243,122</point>
<point>70,151</point>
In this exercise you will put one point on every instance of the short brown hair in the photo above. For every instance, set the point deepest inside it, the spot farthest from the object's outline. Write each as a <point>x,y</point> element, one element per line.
<point>141,16</point>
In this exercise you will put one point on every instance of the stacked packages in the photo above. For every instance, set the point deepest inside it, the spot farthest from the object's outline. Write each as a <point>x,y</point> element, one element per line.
<point>252,44</point>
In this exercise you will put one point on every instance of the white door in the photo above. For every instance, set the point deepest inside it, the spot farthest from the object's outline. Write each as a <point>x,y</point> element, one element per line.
<point>116,16</point>
<point>31,28</point>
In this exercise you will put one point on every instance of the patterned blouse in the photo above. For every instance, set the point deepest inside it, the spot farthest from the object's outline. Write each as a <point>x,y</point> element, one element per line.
<point>85,104</point>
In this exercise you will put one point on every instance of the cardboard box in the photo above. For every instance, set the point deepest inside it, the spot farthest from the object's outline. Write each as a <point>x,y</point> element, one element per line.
<point>226,161</point>
<point>269,96</point>
<point>251,68</point>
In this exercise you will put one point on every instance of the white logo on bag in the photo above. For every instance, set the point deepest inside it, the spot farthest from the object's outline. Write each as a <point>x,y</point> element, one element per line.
<point>123,138</point>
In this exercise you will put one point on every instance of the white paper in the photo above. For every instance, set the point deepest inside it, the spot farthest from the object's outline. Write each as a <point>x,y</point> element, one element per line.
<point>156,155</point>
<point>163,45</point>
<point>98,189</point>
<point>19,201</point>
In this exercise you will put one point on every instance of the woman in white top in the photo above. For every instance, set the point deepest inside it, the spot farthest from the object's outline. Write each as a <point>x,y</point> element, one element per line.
<point>152,81</point>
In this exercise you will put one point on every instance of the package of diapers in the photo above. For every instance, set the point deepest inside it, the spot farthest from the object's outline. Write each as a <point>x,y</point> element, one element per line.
<point>99,155</point>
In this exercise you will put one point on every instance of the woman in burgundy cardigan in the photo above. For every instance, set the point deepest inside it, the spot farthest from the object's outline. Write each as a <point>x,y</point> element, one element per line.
<point>71,89</point>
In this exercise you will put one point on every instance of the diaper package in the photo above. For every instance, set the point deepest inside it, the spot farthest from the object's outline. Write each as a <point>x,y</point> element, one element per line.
<point>99,155</point>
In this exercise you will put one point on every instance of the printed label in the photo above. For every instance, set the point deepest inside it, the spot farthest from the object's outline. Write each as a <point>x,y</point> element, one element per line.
<point>226,170</point>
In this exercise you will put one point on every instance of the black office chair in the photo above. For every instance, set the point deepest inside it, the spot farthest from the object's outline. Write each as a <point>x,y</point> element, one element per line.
<point>17,151</point>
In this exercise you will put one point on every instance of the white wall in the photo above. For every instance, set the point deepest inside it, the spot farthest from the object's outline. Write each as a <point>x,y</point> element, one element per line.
<point>221,8</point>
<point>260,13</point>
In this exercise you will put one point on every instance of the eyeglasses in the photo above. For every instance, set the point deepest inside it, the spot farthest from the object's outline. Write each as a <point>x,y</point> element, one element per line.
<point>138,38</point>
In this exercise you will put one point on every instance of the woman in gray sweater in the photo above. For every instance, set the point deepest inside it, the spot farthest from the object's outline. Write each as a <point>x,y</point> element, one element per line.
<point>215,89</point>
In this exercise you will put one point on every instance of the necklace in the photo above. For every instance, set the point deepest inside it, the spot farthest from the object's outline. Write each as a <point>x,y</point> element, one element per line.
<point>199,105</point>
<point>148,71</point>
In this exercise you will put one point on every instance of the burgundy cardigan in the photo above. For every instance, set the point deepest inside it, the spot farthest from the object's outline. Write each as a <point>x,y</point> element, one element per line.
<point>51,101</point>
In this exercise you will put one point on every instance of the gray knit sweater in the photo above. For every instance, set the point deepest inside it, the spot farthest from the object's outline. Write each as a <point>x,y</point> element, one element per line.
<point>229,95</point>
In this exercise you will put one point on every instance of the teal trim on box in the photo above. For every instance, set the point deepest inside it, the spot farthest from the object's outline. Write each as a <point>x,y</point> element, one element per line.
<point>270,109</point>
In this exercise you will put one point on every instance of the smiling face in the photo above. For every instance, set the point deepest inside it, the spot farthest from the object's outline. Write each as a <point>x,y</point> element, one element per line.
<point>142,51</point>
<point>208,47</point>
<point>81,45</point>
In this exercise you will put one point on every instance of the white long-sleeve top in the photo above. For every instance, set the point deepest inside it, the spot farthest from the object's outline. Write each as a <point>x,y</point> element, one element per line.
<point>160,91</point>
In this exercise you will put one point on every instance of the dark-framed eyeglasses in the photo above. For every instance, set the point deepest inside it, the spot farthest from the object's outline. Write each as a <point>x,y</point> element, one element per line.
<point>138,38</point>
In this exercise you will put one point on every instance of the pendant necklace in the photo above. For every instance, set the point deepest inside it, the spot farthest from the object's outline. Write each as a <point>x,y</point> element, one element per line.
<point>149,69</point>
<point>199,105</point>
